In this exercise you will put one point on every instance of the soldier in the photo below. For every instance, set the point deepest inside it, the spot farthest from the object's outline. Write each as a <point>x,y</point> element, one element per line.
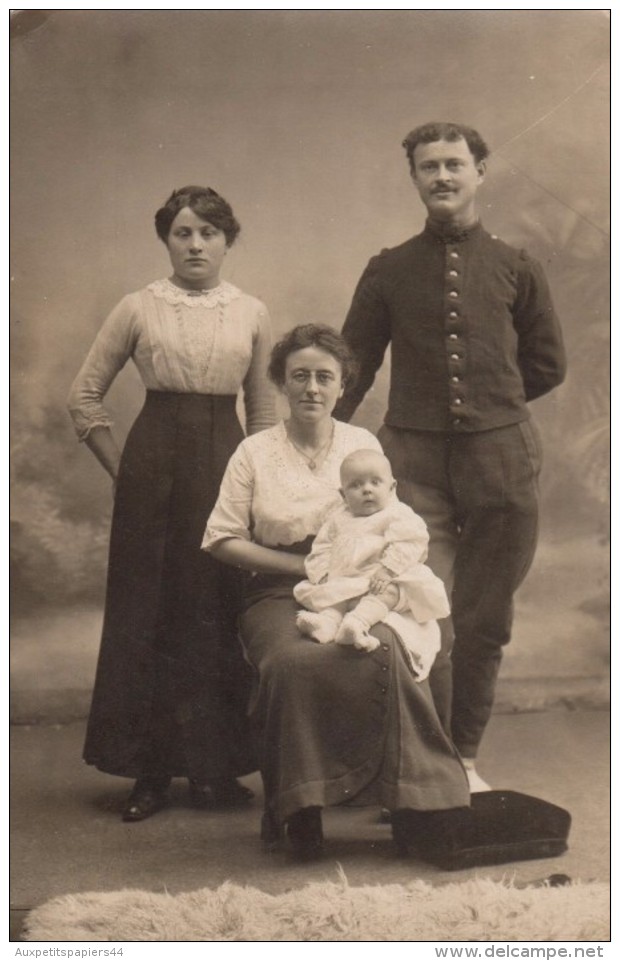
<point>474,337</point>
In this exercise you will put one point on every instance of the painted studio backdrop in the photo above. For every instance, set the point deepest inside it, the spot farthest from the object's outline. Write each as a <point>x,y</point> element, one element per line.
<point>296,118</point>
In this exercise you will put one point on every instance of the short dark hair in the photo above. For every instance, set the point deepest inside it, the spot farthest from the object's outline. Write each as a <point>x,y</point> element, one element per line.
<point>431,132</point>
<point>312,335</point>
<point>206,203</point>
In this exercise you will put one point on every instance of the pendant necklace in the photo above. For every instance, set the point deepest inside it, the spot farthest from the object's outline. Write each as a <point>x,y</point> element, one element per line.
<point>312,458</point>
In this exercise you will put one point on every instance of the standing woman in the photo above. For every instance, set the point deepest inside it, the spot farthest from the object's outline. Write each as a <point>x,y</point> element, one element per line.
<point>171,687</point>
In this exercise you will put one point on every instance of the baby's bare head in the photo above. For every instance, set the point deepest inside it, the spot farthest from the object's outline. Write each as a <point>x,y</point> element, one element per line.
<point>367,482</point>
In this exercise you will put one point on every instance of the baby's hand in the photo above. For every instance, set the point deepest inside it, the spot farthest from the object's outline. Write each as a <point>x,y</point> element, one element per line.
<point>379,581</point>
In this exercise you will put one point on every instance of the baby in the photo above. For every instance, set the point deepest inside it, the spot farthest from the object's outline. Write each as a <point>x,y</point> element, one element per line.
<point>367,560</point>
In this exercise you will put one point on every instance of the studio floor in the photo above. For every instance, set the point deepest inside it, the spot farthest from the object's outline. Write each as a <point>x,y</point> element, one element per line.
<point>67,836</point>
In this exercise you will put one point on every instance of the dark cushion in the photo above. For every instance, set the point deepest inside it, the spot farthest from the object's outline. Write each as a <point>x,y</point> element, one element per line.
<point>500,826</point>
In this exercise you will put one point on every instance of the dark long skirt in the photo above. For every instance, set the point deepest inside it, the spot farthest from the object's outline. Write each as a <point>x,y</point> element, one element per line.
<point>336,725</point>
<point>171,688</point>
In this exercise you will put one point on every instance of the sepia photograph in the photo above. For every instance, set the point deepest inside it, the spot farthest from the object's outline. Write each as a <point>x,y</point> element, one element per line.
<point>310,477</point>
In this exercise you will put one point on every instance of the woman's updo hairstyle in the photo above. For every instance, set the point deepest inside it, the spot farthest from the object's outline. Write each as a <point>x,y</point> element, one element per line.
<point>312,335</point>
<point>205,203</point>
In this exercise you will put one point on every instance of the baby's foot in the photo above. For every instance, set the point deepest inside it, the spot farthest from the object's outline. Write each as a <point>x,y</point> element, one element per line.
<point>319,628</point>
<point>353,632</point>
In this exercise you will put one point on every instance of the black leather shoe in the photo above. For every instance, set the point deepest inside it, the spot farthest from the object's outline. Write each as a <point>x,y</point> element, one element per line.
<point>146,799</point>
<point>304,830</point>
<point>221,793</point>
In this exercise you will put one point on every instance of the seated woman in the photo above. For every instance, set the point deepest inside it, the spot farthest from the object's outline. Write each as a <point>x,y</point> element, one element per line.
<point>333,724</point>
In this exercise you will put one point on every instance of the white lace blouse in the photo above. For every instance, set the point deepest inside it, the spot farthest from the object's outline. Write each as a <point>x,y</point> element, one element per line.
<point>206,342</point>
<point>270,496</point>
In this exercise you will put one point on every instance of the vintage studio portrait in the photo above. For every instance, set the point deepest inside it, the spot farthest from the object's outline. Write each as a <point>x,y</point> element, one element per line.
<point>310,475</point>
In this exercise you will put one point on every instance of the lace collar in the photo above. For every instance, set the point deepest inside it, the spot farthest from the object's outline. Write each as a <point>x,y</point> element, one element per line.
<point>221,295</point>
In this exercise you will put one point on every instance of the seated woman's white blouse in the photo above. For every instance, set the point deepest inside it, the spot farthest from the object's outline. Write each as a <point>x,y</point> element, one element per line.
<point>204,342</point>
<point>270,496</point>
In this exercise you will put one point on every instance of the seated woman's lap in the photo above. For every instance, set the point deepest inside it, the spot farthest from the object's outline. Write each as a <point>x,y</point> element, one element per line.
<point>273,642</point>
<point>319,710</point>
<point>335,723</point>
<point>330,679</point>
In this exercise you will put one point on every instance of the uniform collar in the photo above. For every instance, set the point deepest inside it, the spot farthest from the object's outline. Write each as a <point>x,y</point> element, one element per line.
<point>449,234</point>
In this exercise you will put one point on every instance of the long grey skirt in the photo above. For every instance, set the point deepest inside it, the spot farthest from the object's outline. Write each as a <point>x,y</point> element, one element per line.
<point>171,688</point>
<point>335,725</point>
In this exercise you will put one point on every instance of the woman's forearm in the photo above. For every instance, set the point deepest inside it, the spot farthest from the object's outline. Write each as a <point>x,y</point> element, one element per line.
<point>258,559</point>
<point>101,442</point>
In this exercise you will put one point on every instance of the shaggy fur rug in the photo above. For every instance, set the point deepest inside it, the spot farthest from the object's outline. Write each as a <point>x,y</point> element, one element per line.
<point>478,910</point>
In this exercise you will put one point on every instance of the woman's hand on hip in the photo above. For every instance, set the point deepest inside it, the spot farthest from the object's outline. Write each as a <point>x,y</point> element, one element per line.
<point>101,442</point>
